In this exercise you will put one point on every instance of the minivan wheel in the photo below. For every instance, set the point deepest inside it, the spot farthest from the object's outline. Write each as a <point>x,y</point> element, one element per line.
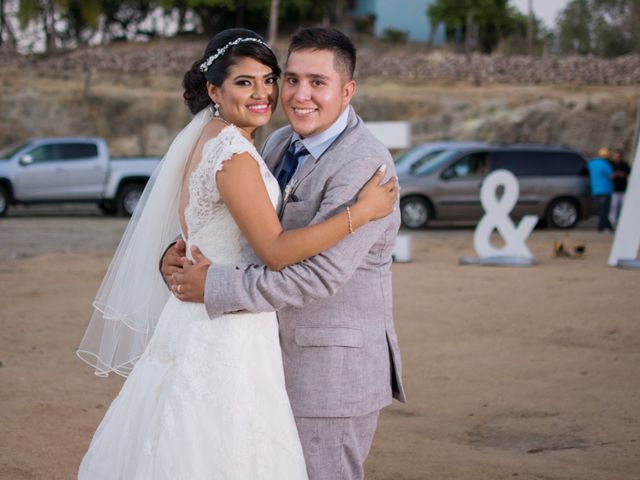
<point>128,198</point>
<point>563,213</point>
<point>4,201</point>
<point>415,212</point>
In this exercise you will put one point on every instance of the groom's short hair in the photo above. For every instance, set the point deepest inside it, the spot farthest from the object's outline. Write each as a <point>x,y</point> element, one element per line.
<point>327,38</point>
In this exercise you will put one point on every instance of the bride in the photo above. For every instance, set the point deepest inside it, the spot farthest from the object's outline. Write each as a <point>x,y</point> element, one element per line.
<point>205,398</point>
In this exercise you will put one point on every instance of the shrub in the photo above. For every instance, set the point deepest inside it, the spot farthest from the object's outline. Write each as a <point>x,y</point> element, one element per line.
<point>395,36</point>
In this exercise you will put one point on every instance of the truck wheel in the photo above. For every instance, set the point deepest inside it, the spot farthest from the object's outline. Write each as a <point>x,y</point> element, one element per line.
<point>4,201</point>
<point>563,213</point>
<point>107,208</point>
<point>128,197</point>
<point>415,212</point>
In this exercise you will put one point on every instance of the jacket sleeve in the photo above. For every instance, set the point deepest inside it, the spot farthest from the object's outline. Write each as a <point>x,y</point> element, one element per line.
<point>255,288</point>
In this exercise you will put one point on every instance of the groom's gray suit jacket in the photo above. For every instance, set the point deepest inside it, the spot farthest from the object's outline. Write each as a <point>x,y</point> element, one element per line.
<point>339,345</point>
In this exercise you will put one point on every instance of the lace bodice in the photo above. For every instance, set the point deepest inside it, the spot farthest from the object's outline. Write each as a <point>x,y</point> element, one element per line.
<point>210,226</point>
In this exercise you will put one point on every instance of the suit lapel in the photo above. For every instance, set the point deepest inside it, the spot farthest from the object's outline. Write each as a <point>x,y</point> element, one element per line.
<point>311,163</point>
<point>277,154</point>
<point>307,167</point>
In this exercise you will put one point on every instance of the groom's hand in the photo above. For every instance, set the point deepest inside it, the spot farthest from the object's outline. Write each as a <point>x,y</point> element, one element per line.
<point>172,261</point>
<point>189,282</point>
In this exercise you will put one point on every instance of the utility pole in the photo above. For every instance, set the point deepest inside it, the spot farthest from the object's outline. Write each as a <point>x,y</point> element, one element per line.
<point>273,22</point>
<point>530,29</point>
<point>48,13</point>
<point>1,20</point>
<point>471,40</point>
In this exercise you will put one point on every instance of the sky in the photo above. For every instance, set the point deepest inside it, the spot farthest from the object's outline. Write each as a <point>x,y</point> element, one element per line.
<point>547,10</point>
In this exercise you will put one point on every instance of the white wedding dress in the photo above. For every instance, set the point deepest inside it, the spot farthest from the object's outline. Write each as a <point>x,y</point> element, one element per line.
<point>207,399</point>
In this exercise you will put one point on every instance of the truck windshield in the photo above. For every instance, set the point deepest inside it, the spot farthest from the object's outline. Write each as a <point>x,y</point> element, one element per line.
<point>10,151</point>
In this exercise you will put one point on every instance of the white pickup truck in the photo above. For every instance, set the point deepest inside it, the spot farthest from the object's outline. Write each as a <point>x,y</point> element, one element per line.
<point>61,170</point>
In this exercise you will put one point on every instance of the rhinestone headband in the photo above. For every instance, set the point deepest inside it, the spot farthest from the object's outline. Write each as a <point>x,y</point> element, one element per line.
<point>207,63</point>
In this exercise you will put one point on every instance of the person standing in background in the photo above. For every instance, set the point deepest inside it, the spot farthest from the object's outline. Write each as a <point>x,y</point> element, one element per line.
<point>621,170</point>
<point>600,172</point>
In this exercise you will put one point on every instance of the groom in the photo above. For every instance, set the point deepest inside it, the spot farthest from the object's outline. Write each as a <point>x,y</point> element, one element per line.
<point>339,346</point>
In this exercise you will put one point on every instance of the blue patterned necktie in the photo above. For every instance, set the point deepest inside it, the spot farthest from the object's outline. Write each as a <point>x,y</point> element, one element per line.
<point>290,164</point>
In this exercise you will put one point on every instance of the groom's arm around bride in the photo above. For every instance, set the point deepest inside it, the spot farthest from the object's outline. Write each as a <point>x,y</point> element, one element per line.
<point>339,345</point>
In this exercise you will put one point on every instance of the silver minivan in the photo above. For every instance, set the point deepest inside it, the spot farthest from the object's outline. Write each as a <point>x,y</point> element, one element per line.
<point>554,185</point>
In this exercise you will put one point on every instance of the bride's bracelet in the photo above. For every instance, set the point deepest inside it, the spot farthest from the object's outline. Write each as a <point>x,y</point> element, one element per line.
<point>350,222</point>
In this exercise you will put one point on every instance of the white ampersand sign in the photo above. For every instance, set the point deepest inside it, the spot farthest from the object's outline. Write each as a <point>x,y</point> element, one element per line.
<point>497,217</point>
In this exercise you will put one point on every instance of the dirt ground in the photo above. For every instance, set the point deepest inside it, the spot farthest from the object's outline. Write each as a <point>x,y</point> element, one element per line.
<point>528,373</point>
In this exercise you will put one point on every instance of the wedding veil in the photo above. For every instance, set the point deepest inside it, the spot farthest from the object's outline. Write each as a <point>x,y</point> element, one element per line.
<point>133,293</point>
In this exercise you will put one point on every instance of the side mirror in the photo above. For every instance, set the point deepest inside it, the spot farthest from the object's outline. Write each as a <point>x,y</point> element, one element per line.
<point>26,159</point>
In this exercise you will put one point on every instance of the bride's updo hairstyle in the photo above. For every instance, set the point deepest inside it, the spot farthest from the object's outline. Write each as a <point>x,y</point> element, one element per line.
<point>195,80</point>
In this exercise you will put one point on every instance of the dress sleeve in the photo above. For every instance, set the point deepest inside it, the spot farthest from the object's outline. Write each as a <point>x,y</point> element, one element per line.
<point>223,147</point>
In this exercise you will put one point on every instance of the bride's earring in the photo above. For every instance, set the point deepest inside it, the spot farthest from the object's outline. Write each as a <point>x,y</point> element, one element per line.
<point>214,110</point>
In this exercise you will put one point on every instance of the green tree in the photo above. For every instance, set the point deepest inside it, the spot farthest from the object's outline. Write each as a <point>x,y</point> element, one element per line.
<point>44,11</point>
<point>182,7</point>
<point>482,22</point>
<point>617,27</point>
<point>575,27</point>
<point>122,17</point>
<point>79,20</point>
<point>83,17</point>
<point>216,15</point>
<point>293,14</point>
<point>6,30</point>
<point>601,27</point>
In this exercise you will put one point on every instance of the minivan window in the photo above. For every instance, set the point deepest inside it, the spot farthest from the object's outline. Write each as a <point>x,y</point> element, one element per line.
<point>472,165</point>
<point>434,163</point>
<point>418,164</point>
<point>408,155</point>
<point>564,163</point>
<point>520,163</point>
<point>538,163</point>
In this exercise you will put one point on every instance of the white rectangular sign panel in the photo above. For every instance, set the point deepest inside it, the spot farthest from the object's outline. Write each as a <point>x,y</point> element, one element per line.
<point>627,238</point>
<point>392,134</point>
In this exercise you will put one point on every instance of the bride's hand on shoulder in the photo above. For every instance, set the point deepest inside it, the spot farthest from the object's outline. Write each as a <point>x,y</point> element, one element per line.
<point>376,200</point>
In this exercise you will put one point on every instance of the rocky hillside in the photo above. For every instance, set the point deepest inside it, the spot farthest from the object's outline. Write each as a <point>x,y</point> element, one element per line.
<point>375,60</point>
<point>585,118</point>
<point>130,94</point>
